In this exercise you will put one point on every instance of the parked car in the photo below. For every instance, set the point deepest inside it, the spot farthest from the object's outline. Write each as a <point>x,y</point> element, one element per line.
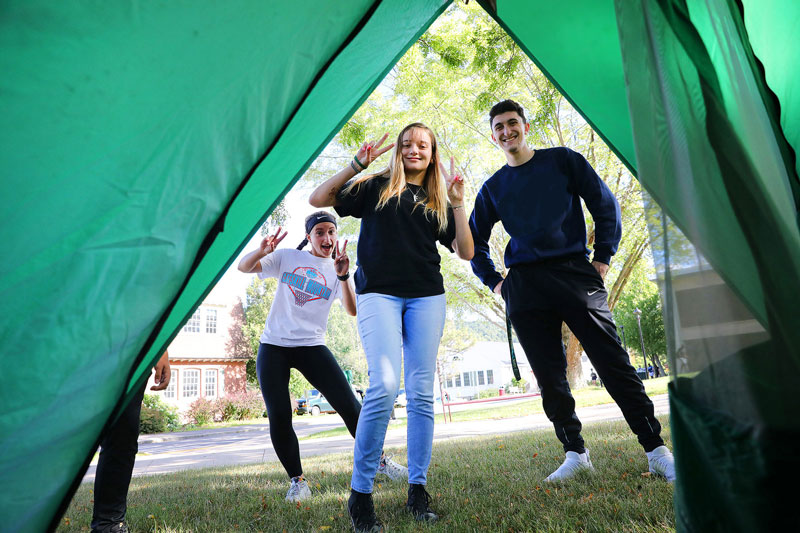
<point>313,402</point>
<point>400,400</point>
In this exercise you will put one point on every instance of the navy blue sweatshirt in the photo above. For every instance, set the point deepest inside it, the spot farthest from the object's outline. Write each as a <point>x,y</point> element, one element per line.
<point>539,205</point>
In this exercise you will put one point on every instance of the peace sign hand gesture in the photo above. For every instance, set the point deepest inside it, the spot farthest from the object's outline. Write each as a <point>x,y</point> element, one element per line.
<point>342,262</point>
<point>371,151</point>
<point>454,182</point>
<point>269,243</point>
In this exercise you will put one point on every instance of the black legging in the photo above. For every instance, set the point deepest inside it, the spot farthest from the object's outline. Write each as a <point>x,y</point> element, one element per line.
<point>319,367</point>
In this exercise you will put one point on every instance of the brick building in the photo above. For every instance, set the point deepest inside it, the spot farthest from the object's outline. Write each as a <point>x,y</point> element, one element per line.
<point>201,366</point>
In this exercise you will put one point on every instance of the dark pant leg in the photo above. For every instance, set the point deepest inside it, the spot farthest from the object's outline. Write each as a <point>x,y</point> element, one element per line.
<point>586,313</point>
<point>115,467</point>
<point>538,328</point>
<point>320,368</point>
<point>272,368</point>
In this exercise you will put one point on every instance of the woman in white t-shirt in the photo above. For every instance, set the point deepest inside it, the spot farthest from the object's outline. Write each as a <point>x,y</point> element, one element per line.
<point>294,336</point>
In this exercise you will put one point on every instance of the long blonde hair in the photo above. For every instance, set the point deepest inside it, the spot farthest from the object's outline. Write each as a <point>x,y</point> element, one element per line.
<point>433,183</point>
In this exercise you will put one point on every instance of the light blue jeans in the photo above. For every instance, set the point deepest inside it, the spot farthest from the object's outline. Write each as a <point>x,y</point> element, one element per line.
<point>392,327</point>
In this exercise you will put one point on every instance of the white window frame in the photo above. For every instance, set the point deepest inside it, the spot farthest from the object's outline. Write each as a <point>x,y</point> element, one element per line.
<point>467,380</point>
<point>191,383</point>
<point>458,380</point>
<point>481,381</point>
<point>489,377</point>
<point>171,391</point>
<point>211,321</point>
<point>214,374</point>
<point>193,324</point>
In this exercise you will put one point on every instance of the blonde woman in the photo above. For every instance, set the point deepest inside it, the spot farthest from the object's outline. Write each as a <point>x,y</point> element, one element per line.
<point>405,210</point>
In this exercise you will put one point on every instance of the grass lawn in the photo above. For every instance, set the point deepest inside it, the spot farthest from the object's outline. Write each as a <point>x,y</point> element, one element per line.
<point>491,483</point>
<point>584,397</point>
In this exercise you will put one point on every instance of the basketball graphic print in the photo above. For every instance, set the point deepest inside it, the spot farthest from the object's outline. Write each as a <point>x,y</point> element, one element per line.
<point>307,284</point>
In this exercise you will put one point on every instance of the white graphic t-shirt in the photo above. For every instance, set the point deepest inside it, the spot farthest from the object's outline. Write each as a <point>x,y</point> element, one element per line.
<point>307,286</point>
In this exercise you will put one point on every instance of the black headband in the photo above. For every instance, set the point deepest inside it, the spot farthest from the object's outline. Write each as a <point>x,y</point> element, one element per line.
<point>316,218</point>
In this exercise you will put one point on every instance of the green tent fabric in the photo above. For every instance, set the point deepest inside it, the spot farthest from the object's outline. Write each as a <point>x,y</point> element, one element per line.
<point>142,143</point>
<point>713,149</point>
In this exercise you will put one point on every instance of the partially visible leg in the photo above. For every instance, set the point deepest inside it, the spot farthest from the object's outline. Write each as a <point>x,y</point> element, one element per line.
<point>423,323</point>
<point>527,291</point>
<point>539,333</point>
<point>321,370</point>
<point>115,467</point>
<point>592,323</point>
<point>272,368</point>
<point>379,324</point>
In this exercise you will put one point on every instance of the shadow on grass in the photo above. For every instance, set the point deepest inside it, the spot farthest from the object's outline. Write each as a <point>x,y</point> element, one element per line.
<point>492,483</point>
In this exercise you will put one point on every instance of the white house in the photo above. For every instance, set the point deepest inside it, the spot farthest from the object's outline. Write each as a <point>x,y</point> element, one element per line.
<point>487,366</point>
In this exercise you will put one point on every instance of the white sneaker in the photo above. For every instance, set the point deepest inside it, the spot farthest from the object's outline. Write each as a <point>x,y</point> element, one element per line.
<point>662,463</point>
<point>574,463</point>
<point>391,469</point>
<point>298,490</point>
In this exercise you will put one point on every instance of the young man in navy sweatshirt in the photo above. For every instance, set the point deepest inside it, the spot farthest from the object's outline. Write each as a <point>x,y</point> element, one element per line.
<point>550,280</point>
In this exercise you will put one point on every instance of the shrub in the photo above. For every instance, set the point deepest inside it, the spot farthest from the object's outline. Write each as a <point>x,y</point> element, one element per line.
<point>202,412</point>
<point>488,393</point>
<point>152,421</point>
<point>226,409</point>
<point>242,406</point>
<point>169,412</point>
<point>250,404</point>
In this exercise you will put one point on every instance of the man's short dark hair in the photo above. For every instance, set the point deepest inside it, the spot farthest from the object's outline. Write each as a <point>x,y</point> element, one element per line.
<point>505,106</point>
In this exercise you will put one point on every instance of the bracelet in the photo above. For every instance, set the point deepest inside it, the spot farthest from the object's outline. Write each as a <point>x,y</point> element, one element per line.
<point>353,166</point>
<point>344,277</point>
<point>362,165</point>
<point>458,207</point>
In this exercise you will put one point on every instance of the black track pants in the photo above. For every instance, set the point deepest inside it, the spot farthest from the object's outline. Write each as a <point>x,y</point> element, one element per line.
<point>319,367</point>
<point>539,297</point>
<point>115,467</point>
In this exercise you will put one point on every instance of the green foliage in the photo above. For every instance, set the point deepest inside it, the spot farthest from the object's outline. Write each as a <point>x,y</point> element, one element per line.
<point>242,406</point>
<point>260,294</point>
<point>152,421</point>
<point>643,295</point>
<point>343,340</point>
<point>166,414</point>
<point>488,393</point>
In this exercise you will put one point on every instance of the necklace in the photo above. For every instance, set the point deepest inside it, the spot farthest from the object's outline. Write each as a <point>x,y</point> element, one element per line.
<point>415,194</point>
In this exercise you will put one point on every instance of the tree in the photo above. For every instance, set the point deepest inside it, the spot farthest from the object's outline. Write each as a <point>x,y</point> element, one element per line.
<point>643,295</point>
<point>343,340</point>
<point>238,345</point>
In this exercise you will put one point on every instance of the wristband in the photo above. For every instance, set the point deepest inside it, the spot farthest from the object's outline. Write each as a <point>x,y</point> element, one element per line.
<point>353,166</point>
<point>362,165</point>
<point>458,207</point>
<point>343,278</point>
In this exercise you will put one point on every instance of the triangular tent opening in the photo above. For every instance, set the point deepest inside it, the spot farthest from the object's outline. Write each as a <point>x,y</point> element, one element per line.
<point>141,142</point>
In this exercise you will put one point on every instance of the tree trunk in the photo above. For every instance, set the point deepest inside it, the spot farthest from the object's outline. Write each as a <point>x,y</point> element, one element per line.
<point>573,350</point>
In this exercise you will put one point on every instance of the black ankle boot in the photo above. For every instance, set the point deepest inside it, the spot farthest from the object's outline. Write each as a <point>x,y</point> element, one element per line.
<point>419,504</point>
<point>362,513</point>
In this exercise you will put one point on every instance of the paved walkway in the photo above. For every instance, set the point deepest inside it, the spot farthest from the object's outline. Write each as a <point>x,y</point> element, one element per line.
<point>171,452</point>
